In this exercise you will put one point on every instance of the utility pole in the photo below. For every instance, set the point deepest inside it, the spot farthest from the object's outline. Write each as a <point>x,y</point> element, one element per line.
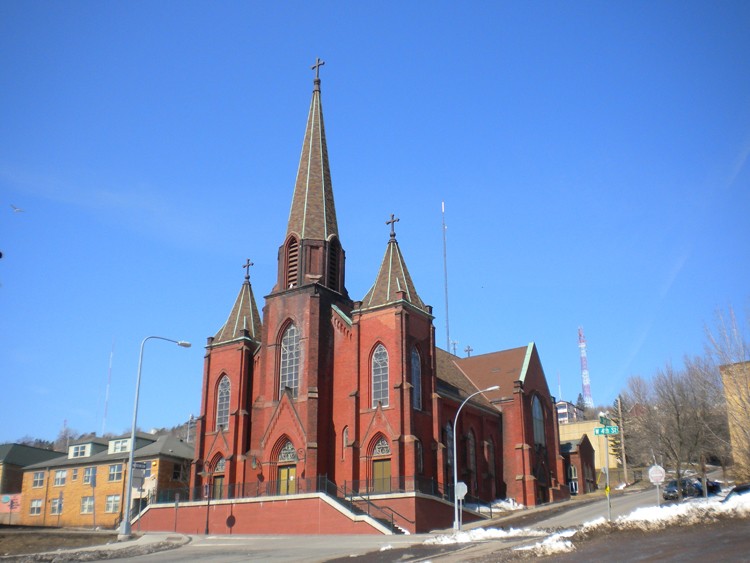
<point>622,439</point>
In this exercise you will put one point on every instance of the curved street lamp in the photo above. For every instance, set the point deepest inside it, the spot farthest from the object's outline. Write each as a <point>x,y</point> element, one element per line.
<point>125,530</point>
<point>456,525</point>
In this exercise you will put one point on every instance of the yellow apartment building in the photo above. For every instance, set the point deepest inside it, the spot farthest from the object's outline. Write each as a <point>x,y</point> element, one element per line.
<point>86,488</point>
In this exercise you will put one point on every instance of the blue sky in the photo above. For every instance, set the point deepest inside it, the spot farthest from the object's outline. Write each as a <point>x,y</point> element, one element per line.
<point>592,156</point>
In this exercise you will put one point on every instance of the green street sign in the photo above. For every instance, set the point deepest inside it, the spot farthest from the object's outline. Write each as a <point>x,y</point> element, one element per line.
<point>606,430</point>
<point>604,421</point>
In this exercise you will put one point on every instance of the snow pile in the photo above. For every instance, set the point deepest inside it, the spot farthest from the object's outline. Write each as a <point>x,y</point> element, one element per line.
<point>552,545</point>
<point>386,547</point>
<point>482,534</point>
<point>685,514</point>
<point>499,505</point>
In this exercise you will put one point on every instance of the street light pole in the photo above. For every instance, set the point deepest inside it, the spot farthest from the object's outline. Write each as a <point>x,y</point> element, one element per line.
<point>456,525</point>
<point>125,530</point>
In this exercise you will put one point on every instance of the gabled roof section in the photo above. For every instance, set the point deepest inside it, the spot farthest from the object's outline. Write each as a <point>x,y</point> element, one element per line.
<point>244,316</point>
<point>393,277</point>
<point>452,381</point>
<point>501,368</point>
<point>313,214</point>
<point>23,455</point>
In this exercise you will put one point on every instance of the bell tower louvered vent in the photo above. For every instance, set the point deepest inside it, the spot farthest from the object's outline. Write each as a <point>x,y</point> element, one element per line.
<point>292,262</point>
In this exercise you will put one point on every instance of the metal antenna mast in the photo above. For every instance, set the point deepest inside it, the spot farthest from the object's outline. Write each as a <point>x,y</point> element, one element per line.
<point>587,400</point>
<point>445,274</point>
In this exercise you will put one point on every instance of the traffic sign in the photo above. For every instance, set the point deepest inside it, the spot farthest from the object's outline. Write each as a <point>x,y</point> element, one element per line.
<point>604,420</point>
<point>461,490</point>
<point>606,430</point>
<point>140,465</point>
<point>656,474</point>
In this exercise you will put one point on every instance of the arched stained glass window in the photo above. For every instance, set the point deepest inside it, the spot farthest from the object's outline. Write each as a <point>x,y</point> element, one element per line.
<point>471,453</point>
<point>416,379</point>
<point>382,447</point>
<point>288,453</point>
<point>537,416</point>
<point>380,376</point>
<point>290,360</point>
<point>222,403</point>
<point>220,465</point>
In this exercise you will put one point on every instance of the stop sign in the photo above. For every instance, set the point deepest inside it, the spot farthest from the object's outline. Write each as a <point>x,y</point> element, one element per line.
<point>656,474</point>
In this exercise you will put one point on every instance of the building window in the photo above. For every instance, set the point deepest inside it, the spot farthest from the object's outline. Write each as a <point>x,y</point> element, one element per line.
<point>112,504</point>
<point>78,451</point>
<point>290,359</point>
<point>380,376</point>
<point>344,441</point>
<point>537,417</point>
<point>382,447</point>
<point>180,472</point>
<point>449,443</point>
<point>75,475</point>
<point>490,457</point>
<point>35,509</point>
<point>87,505</point>
<point>333,264</point>
<point>420,458</point>
<point>222,404</point>
<point>60,476</point>
<point>288,454</point>
<point>56,506</point>
<point>115,472</point>
<point>471,453</point>
<point>89,476</point>
<point>38,479</point>
<point>119,446</point>
<point>416,379</point>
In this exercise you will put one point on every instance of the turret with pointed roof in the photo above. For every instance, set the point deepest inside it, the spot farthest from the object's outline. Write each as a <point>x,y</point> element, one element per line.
<point>393,282</point>
<point>312,252</point>
<point>244,320</point>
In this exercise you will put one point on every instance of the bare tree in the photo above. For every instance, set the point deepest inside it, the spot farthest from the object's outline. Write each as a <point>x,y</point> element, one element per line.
<point>729,349</point>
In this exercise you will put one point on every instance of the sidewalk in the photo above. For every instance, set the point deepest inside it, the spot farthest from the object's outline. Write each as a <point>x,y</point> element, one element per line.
<point>140,545</point>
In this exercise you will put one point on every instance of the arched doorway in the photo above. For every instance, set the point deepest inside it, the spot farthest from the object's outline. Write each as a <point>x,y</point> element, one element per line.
<point>287,469</point>
<point>217,481</point>
<point>381,466</point>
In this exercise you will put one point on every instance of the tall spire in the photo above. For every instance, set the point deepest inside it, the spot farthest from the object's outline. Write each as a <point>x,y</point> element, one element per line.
<point>313,215</point>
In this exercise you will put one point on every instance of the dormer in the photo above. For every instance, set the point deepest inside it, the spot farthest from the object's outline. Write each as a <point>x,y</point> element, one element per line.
<point>86,448</point>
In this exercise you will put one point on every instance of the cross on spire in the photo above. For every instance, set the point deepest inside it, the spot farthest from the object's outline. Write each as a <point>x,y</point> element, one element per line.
<point>392,223</point>
<point>246,266</point>
<point>316,67</point>
<point>468,351</point>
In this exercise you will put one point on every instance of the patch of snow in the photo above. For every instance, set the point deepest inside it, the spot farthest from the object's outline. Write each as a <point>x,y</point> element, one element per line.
<point>552,545</point>
<point>482,534</point>
<point>386,547</point>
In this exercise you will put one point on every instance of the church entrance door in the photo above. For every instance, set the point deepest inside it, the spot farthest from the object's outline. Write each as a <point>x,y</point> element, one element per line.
<point>381,476</point>
<point>218,487</point>
<point>287,476</point>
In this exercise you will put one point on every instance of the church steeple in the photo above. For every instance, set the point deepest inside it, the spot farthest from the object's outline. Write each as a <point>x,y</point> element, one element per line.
<point>312,252</point>
<point>393,283</point>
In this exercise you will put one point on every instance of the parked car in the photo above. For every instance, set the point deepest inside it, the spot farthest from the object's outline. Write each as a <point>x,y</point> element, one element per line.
<point>689,489</point>
<point>738,491</point>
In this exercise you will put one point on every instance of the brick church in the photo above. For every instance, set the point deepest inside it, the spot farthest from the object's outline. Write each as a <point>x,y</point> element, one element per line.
<point>348,402</point>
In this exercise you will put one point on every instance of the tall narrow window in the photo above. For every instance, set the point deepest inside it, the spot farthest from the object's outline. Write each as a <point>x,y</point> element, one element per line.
<point>344,441</point>
<point>292,262</point>
<point>290,358</point>
<point>416,379</point>
<point>380,376</point>
<point>537,417</point>
<point>490,457</point>
<point>222,404</point>
<point>420,457</point>
<point>471,453</point>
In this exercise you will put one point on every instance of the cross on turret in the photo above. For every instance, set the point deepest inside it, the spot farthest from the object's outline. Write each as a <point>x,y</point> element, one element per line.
<point>247,269</point>
<point>392,223</point>
<point>468,351</point>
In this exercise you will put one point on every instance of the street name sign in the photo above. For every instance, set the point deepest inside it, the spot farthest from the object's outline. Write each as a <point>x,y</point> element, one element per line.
<point>606,430</point>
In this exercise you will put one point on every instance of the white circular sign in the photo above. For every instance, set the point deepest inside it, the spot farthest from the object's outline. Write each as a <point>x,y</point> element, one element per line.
<point>656,474</point>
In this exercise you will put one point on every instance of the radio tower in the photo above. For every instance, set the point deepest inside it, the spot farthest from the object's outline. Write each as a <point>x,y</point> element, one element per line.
<point>587,400</point>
